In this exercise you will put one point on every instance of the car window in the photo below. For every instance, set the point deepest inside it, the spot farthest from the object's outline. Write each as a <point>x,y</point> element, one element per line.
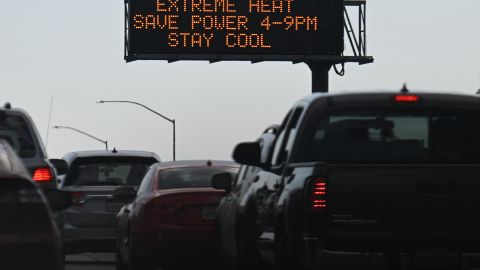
<point>241,175</point>
<point>279,140</point>
<point>191,177</point>
<point>252,171</point>
<point>286,138</point>
<point>15,131</point>
<point>146,184</point>
<point>434,135</point>
<point>108,172</point>
<point>249,171</point>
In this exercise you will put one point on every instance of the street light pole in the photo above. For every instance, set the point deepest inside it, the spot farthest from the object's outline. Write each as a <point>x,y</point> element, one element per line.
<point>151,110</point>
<point>84,133</point>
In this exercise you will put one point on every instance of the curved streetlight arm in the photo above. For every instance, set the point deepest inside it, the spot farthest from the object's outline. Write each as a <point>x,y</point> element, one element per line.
<point>153,111</point>
<point>139,104</point>
<point>84,133</point>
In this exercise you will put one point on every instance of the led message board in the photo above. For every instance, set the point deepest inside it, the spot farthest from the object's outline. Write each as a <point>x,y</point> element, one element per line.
<point>234,29</point>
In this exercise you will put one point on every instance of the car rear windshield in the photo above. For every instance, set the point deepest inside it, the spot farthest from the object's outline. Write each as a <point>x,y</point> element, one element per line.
<point>14,130</point>
<point>191,177</point>
<point>426,135</point>
<point>108,171</point>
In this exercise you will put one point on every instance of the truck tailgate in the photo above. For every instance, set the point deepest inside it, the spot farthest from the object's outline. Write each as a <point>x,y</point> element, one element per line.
<point>404,197</point>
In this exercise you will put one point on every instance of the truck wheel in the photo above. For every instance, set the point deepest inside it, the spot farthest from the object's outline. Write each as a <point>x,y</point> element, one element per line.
<point>119,262</point>
<point>247,253</point>
<point>135,264</point>
<point>284,254</point>
<point>225,260</point>
<point>282,260</point>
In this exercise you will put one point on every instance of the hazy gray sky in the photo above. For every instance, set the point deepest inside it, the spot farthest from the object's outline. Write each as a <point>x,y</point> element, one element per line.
<point>73,51</point>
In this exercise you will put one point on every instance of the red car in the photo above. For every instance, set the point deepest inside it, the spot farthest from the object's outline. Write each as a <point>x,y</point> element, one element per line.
<point>170,220</point>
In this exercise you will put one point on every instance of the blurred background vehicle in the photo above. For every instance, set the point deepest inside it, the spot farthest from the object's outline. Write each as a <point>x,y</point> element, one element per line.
<point>29,236</point>
<point>18,129</point>
<point>171,220</point>
<point>90,225</point>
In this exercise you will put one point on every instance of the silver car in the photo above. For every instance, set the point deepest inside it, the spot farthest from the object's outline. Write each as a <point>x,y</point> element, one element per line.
<point>90,224</point>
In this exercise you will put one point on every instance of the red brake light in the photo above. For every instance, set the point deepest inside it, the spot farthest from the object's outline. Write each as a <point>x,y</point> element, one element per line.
<point>42,174</point>
<point>318,196</point>
<point>407,98</point>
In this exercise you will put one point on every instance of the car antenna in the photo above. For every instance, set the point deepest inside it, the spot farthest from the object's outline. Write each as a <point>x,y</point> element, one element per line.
<point>478,91</point>
<point>7,106</point>
<point>404,89</point>
<point>114,150</point>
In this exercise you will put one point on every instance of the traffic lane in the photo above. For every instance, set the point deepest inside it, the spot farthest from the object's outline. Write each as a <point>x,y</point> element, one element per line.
<point>90,261</point>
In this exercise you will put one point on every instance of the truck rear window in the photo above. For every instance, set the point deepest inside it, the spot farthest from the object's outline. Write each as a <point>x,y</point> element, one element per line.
<point>14,130</point>
<point>402,136</point>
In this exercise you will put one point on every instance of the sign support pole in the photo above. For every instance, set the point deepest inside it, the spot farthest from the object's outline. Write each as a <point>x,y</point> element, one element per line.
<point>319,76</point>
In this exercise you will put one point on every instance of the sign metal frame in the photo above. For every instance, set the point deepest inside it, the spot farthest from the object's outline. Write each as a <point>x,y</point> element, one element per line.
<point>254,58</point>
<point>319,64</point>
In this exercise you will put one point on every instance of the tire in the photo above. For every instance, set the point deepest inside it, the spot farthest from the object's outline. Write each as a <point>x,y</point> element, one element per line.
<point>247,252</point>
<point>285,255</point>
<point>135,264</point>
<point>119,262</point>
<point>224,260</point>
<point>63,260</point>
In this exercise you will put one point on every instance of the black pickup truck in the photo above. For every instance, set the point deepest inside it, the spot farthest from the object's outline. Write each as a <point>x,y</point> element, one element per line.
<point>396,174</point>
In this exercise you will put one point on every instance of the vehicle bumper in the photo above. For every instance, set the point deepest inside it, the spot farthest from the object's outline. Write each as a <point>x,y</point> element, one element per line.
<point>403,240</point>
<point>77,240</point>
<point>367,253</point>
<point>173,246</point>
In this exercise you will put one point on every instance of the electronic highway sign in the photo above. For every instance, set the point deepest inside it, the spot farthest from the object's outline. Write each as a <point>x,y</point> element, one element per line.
<point>216,30</point>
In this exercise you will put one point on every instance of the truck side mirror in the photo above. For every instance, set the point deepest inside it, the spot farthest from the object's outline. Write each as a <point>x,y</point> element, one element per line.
<point>60,165</point>
<point>222,181</point>
<point>248,153</point>
<point>124,194</point>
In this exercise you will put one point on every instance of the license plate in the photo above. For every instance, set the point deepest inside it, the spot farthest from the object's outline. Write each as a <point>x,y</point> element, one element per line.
<point>113,207</point>
<point>209,213</point>
<point>436,259</point>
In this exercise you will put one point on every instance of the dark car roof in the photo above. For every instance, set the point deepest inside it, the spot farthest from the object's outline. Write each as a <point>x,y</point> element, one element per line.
<point>10,164</point>
<point>196,163</point>
<point>69,157</point>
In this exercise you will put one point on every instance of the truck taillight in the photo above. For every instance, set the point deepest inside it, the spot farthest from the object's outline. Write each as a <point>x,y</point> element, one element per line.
<point>407,98</point>
<point>318,196</point>
<point>42,174</point>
